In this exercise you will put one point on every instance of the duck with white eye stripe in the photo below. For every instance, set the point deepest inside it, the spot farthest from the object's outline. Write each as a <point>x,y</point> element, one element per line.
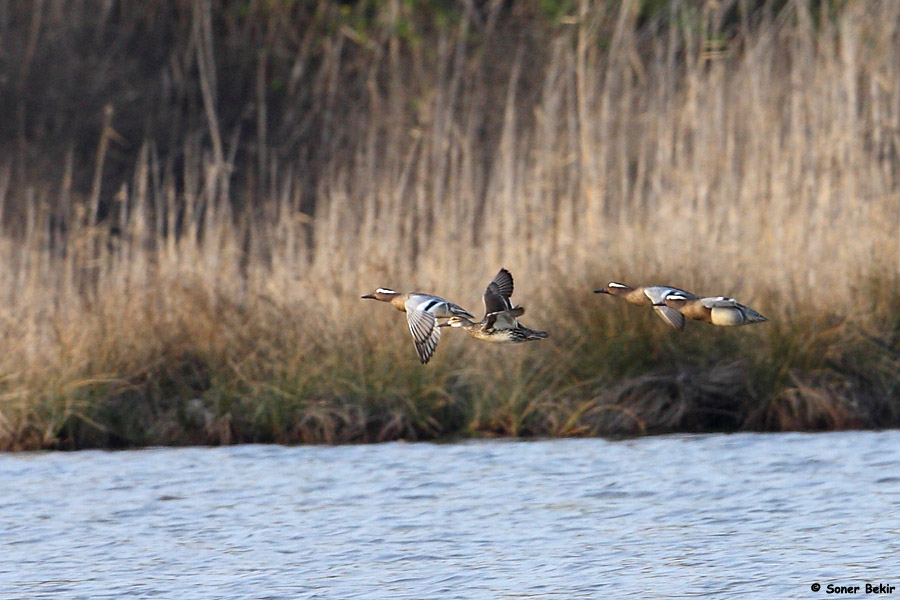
<point>422,312</point>
<point>651,295</point>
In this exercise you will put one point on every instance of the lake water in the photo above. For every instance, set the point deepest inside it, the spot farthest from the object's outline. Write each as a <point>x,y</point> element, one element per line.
<point>708,516</point>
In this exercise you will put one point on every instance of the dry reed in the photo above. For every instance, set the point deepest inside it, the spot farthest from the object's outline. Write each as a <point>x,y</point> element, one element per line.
<point>211,295</point>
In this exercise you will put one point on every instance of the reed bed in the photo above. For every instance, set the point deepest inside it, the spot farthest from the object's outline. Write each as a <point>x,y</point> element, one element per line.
<point>202,285</point>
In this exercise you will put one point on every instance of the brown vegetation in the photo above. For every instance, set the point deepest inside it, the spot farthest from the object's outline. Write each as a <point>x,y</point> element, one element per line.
<point>185,265</point>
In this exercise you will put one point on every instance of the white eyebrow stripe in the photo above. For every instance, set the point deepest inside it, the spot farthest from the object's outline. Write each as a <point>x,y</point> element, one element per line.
<point>385,291</point>
<point>616,285</point>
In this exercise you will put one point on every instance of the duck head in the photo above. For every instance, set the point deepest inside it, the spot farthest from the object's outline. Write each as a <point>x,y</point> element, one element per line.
<point>676,300</point>
<point>614,289</point>
<point>383,294</point>
<point>456,322</point>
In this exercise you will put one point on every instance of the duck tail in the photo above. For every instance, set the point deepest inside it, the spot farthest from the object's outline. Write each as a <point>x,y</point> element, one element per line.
<point>752,316</point>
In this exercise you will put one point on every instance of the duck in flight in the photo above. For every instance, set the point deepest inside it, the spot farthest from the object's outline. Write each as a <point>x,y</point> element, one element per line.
<point>500,322</point>
<point>422,312</point>
<point>726,312</point>
<point>655,296</point>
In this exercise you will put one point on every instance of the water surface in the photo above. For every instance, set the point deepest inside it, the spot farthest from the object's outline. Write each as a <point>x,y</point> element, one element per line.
<point>669,517</point>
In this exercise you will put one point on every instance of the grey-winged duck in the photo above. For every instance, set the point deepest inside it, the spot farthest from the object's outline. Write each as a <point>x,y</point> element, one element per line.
<point>500,322</point>
<point>652,295</point>
<point>422,312</point>
<point>726,312</point>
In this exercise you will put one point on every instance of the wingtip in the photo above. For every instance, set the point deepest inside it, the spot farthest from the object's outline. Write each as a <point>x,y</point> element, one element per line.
<point>425,352</point>
<point>503,271</point>
<point>670,316</point>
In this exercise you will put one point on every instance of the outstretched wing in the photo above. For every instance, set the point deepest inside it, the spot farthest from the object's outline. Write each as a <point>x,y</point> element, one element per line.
<point>658,293</point>
<point>671,316</point>
<point>496,296</point>
<point>425,335</point>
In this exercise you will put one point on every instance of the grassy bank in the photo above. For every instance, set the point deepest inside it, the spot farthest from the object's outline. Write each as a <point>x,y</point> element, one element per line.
<point>206,289</point>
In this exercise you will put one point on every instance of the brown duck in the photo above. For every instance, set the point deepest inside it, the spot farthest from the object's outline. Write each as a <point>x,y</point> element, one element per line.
<point>654,296</point>
<point>500,323</point>
<point>422,312</point>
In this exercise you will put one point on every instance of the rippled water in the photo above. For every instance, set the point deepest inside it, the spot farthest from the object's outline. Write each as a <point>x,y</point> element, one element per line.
<point>678,516</point>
